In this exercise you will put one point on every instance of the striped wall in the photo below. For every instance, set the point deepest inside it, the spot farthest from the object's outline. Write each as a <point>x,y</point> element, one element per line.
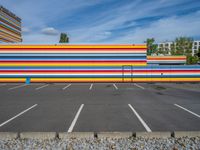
<point>68,63</point>
<point>164,60</point>
<point>10,26</point>
<point>87,63</point>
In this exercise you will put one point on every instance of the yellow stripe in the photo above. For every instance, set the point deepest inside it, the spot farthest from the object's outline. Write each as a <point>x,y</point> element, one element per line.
<point>11,38</point>
<point>114,79</point>
<point>12,79</point>
<point>73,46</point>
<point>10,33</point>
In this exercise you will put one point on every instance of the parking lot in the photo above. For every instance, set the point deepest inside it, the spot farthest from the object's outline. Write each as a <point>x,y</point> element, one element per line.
<point>81,107</point>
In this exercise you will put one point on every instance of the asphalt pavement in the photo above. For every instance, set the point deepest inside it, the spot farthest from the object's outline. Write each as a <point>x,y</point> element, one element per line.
<point>95,107</point>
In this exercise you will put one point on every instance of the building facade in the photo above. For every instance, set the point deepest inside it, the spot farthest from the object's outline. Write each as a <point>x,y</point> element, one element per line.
<point>90,63</point>
<point>10,27</point>
<point>167,46</point>
<point>195,46</point>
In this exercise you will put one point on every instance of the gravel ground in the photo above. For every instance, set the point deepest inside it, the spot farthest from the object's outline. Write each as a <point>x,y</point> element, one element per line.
<point>103,144</point>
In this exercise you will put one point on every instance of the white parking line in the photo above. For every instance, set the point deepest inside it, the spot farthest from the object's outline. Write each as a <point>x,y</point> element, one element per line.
<point>141,120</point>
<point>115,86</point>
<point>91,86</point>
<point>187,110</point>
<point>139,86</point>
<point>42,86</point>
<point>18,115</point>
<point>76,118</point>
<point>67,86</point>
<point>15,87</point>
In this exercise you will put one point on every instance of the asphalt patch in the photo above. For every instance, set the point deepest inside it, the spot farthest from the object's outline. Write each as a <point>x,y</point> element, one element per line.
<point>159,88</point>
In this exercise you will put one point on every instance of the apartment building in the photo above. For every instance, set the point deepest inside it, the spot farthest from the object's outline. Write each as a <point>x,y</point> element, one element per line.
<point>168,45</point>
<point>10,27</point>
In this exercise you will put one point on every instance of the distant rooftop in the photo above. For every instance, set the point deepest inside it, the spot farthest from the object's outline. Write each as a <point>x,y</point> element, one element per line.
<point>9,13</point>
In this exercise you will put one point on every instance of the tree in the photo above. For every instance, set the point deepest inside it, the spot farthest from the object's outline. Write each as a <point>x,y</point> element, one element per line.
<point>151,47</point>
<point>198,53</point>
<point>64,38</point>
<point>192,60</point>
<point>173,48</point>
<point>183,46</point>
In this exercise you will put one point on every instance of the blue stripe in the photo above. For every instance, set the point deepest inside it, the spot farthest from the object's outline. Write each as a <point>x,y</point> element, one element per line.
<point>194,67</point>
<point>10,19</point>
<point>18,28</point>
<point>10,28</point>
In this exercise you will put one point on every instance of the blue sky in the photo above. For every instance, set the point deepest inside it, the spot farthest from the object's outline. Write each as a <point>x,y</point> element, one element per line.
<point>106,21</point>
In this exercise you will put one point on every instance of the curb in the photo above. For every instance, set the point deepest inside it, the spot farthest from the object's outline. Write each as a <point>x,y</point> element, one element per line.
<point>114,134</point>
<point>38,135</point>
<point>153,134</point>
<point>179,134</point>
<point>66,135</point>
<point>8,135</point>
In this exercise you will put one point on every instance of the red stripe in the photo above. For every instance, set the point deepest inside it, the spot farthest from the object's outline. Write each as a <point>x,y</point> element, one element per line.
<point>6,22</point>
<point>85,71</point>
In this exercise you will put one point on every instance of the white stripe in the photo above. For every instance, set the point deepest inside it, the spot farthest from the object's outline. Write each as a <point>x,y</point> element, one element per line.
<point>42,86</point>
<point>139,86</point>
<point>115,86</point>
<point>77,51</point>
<point>67,86</point>
<point>187,110</point>
<point>76,118</point>
<point>91,86</point>
<point>15,87</point>
<point>18,115</point>
<point>141,120</point>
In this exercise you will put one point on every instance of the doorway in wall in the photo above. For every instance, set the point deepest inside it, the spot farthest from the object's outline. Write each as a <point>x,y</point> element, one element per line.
<point>127,73</point>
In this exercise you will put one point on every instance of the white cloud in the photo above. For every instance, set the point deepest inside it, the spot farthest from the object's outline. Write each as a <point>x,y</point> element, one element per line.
<point>40,38</point>
<point>25,30</point>
<point>37,15</point>
<point>165,29</point>
<point>50,31</point>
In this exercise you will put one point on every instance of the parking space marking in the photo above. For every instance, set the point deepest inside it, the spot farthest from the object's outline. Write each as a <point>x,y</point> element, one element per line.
<point>42,87</point>
<point>15,87</point>
<point>75,119</point>
<point>141,120</point>
<point>21,113</point>
<point>67,86</point>
<point>115,86</point>
<point>187,110</point>
<point>91,86</point>
<point>139,86</point>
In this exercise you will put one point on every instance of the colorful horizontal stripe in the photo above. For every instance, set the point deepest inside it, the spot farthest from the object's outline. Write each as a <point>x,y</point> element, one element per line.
<point>10,27</point>
<point>166,59</point>
<point>89,63</point>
